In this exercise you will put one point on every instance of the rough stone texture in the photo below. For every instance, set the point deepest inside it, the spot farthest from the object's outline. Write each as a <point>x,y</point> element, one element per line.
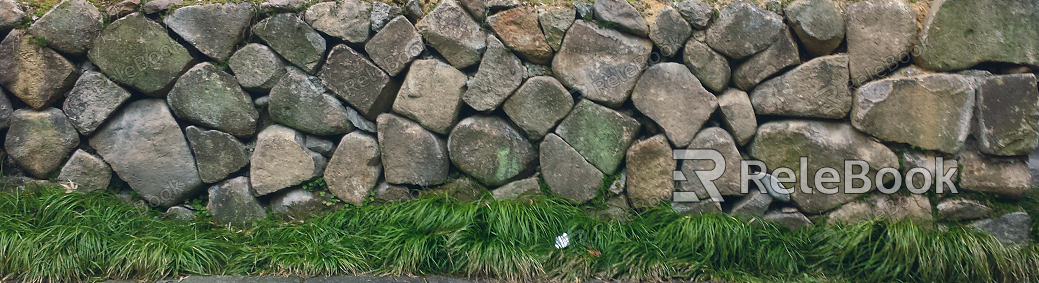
<point>775,58</point>
<point>819,24</point>
<point>297,203</point>
<point>40,140</point>
<point>584,10</point>
<point>69,27</point>
<point>490,150</point>
<point>6,110</point>
<point>411,154</point>
<point>454,34</point>
<point>788,217</point>
<point>538,105</point>
<point>525,189</point>
<point>555,21</point>
<point>615,209</point>
<point>210,97</point>
<point>431,95</point>
<point>1006,176</point>
<point>387,193</point>
<point>928,161</point>
<point>500,73</point>
<point>995,31</point>
<point>349,20</point>
<point>121,9</point>
<point>10,15</point>
<point>217,154</point>
<point>213,29</point>
<point>413,10</point>
<point>320,145</point>
<point>566,173</point>
<point>87,171</point>
<point>1008,115</point>
<point>816,89</point>
<point>137,52</point>
<point>383,13</point>
<point>293,39</point>
<point>355,168</point>
<point>696,13</point>
<point>602,64</point>
<point>702,207</point>
<point>621,13</point>
<point>256,67</point>
<point>929,111</point>
<point>650,164</point>
<point>92,100</point>
<point>670,95</point>
<point>743,29</point>
<point>892,207</point>
<point>668,30</point>
<point>737,115</point>
<point>600,134</point>
<point>359,82</point>
<point>880,33</point>
<point>962,209</point>
<point>301,101</point>
<point>174,213</point>
<point>825,144</point>
<point>145,147</point>
<point>1011,228</point>
<point>155,6</point>
<point>728,184</point>
<point>464,189</point>
<point>35,74</point>
<point>360,121</point>
<point>707,65</point>
<point>395,46</point>
<point>752,205</point>
<point>281,160</point>
<point>518,29</point>
<point>231,202</point>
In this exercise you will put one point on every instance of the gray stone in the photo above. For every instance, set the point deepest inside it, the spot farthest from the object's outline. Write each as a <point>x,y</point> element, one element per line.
<point>1011,229</point>
<point>791,219</point>
<point>69,27</point>
<point>1008,115</point>
<point>349,20</point>
<point>431,95</point>
<point>962,209</point>
<point>743,29</point>
<point>602,64</point>
<point>1007,176</point>
<point>524,189</point>
<point>121,9</point>
<point>697,13</point>
<point>566,173</point>
<point>10,15</point>
<point>320,145</point>
<point>413,10</point>
<point>410,154</point>
<point>217,154</point>
<point>281,160</point>
<point>280,6</point>
<point>155,6</point>
<point>534,70</point>
<point>894,207</point>
<point>136,52</point>
<point>293,39</point>
<point>622,14</point>
<point>174,213</point>
<point>499,75</point>
<point>297,203</point>
<point>355,168</point>
<point>210,97</point>
<point>256,67</point>
<point>382,13</point>
<point>359,121</point>
<point>387,193</point>
<point>824,144</point>
<point>356,80</point>
<point>929,111</point>
<point>650,164</point>
<point>584,10</point>
<point>752,205</point>
<point>476,8</point>
<point>728,184</point>
<point>538,106</point>
<point>616,209</point>
<point>35,74</point>
<point>620,183</point>
<point>880,33</point>
<point>39,141</point>
<point>92,100</point>
<point>301,101</point>
<point>395,46</point>
<point>6,110</point>
<point>699,208</point>
<point>88,172</point>
<point>774,188</point>
<point>518,29</point>
<point>772,60</point>
<point>707,65</point>
<point>454,34</point>
<point>232,202</point>
<point>213,29</point>
<point>668,30</point>
<point>816,89</point>
<point>555,21</point>
<point>737,115</point>
<point>600,134</point>
<point>490,150</point>
<point>819,24</point>
<point>145,147</point>
<point>997,31</point>
<point>927,160</point>
<point>664,87</point>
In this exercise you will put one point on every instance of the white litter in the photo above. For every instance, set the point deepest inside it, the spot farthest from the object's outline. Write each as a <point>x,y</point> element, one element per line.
<point>562,241</point>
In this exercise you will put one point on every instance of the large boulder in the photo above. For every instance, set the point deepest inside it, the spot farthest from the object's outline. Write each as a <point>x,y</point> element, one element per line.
<point>961,33</point>
<point>431,95</point>
<point>293,39</point>
<point>538,105</point>
<point>139,53</point>
<point>743,29</point>
<point>355,79</point>
<point>737,115</point>
<point>1008,115</point>
<point>213,29</point>
<point>411,154</point>
<point>602,64</point>
<point>772,60</point>
<point>824,144</point>
<point>1006,176</point>
<point>454,34</point>
<point>145,147</point>
<point>232,203</point>
<point>728,184</point>
<point>668,30</point>
<point>929,111</point>
<point>217,154</point>
<point>696,12</point>
<point>554,23</point>
<point>819,24</point>
<point>500,73</point>
<point>70,26</point>
<point>566,173</point>
<point>665,87</point>
<point>35,74</point>
<point>257,67</point>
<point>281,160</point>
<point>40,140</point>
<point>349,20</point>
<point>816,89</point>
<point>707,65</point>
<point>621,14</point>
<point>962,209</point>
<point>650,164</point>
<point>88,172</point>
<point>210,97</point>
<point>301,101</point>
<point>879,34</point>
<point>92,100</point>
<point>1011,228</point>
<point>490,150</point>
<point>395,46</point>
<point>11,15</point>
<point>518,29</point>
<point>355,168</point>
<point>602,135</point>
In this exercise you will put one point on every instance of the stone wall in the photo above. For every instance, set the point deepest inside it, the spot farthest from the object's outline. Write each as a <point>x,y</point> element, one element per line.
<point>249,102</point>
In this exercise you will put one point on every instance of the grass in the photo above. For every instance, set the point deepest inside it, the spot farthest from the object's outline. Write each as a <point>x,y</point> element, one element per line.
<point>47,235</point>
